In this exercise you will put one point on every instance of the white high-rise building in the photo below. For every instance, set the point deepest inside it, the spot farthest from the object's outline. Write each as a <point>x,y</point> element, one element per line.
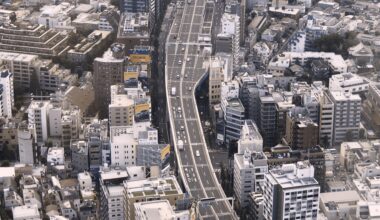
<point>250,138</point>
<point>347,111</point>
<point>37,117</point>
<point>249,170</point>
<point>6,94</point>
<point>123,146</point>
<point>231,26</point>
<point>291,192</point>
<point>112,194</point>
<point>25,143</point>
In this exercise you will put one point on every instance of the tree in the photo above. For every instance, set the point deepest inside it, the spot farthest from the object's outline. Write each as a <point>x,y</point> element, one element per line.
<point>5,163</point>
<point>325,141</point>
<point>348,136</point>
<point>336,43</point>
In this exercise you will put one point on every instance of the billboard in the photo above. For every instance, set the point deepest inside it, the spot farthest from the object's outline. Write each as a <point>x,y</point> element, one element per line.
<point>165,152</point>
<point>142,111</point>
<point>140,58</point>
<point>130,75</point>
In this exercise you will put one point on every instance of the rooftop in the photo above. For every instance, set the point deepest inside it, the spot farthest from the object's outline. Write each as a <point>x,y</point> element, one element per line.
<point>294,175</point>
<point>153,186</point>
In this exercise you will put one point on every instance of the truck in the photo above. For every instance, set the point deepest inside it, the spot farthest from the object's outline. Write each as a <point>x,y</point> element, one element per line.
<point>180,144</point>
<point>173,91</point>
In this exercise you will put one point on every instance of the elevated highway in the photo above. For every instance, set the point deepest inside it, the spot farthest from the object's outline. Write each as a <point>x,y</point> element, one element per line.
<point>188,46</point>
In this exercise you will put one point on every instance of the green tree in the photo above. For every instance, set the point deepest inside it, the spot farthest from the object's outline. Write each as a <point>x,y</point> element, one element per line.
<point>5,163</point>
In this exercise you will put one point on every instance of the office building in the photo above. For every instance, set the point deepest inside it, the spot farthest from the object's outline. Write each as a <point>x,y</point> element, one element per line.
<point>25,143</point>
<point>250,138</point>
<point>152,155</point>
<point>282,109</point>
<point>85,50</point>
<point>158,210</point>
<point>234,115</point>
<point>123,146</point>
<point>96,134</point>
<point>79,156</point>
<point>134,6</point>
<point>291,192</point>
<point>150,189</point>
<point>220,71</point>
<point>38,118</point>
<point>249,170</point>
<point>121,110</point>
<point>301,131</point>
<point>6,93</point>
<point>347,112</point>
<point>112,194</point>
<point>134,30</point>
<point>267,120</point>
<point>108,70</point>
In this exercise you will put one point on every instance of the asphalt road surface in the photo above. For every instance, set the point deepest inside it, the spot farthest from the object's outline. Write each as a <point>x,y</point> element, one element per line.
<point>184,69</point>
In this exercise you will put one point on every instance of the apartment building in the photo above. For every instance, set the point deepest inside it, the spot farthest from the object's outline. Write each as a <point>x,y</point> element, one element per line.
<point>6,94</point>
<point>326,119</point>
<point>33,39</point>
<point>291,192</point>
<point>134,30</point>
<point>108,70</point>
<point>347,112</point>
<point>249,170</point>
<point>22,66</point>
<point>112,194</point>
<point>38,118</point>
